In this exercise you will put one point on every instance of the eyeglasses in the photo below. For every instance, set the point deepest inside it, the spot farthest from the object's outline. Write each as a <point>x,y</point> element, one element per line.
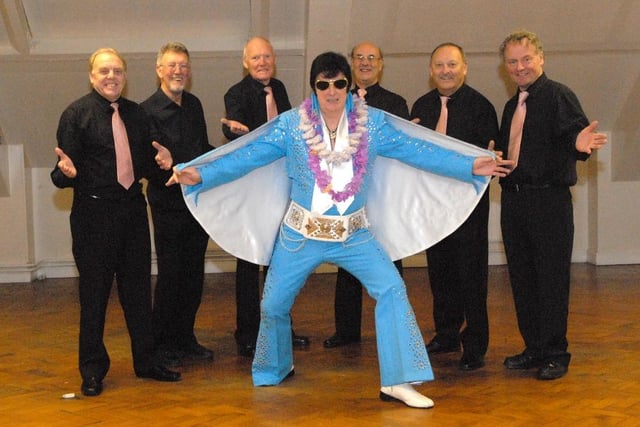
<point>338,84</point>
<point>173,65</point>
<point>362,58</point>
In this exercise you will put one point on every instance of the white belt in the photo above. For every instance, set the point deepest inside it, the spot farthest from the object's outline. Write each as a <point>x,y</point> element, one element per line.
<point>329,228</point>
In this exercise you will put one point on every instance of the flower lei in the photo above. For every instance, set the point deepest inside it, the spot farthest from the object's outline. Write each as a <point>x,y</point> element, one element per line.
<point>311,127</point>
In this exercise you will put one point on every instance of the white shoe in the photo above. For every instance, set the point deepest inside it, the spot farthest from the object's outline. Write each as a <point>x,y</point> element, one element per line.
<point>406,394</point>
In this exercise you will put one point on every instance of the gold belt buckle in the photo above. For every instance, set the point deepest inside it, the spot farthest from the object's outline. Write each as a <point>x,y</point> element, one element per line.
<point>324,228</point>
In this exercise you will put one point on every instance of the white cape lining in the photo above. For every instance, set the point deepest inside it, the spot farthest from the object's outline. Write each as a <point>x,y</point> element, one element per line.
<point>409,209</point>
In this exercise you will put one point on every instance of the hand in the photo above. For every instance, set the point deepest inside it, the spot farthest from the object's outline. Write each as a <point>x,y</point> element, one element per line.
<point>491,146</point>
<point>163,158</point>
<point>588,139</point>
<point>65,164</point>
<point>488,166</point>
<point>235,127</point>
<point>416,120</point>
<point>186,176</point>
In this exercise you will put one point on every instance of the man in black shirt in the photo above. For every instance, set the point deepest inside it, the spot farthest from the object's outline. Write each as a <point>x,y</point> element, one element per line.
<point>109,223</point>
<point>366,68</point>
<point>180,241</point>
<point>537,211</point>
<point>458,264</point>
<point>246,109</point>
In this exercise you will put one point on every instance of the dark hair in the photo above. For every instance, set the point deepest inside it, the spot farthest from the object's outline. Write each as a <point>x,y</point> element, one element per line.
<point>330,64</point>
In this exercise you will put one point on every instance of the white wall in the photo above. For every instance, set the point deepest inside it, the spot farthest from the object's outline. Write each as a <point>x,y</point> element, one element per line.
<point>43,67</point>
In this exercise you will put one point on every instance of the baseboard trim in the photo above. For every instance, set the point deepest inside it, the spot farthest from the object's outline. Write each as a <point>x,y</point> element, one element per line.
<point>218,261</point>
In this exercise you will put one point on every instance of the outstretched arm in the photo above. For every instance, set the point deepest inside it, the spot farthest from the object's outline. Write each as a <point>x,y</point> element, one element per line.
<point>186,176</point>
<point>235,126</point>
<point>492,146</point>
<point>65,164</point>
<point>163,157</point>
<point>488,166</point>
<point>588,139</point>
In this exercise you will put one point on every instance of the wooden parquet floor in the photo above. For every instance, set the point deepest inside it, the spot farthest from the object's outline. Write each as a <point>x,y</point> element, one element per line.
<point>331,387</point>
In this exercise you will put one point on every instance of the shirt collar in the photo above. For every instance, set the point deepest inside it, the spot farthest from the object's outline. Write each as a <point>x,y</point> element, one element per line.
<point>370,89</point>
<point>455,94</point>
<point>535,86</point>
<point>258,86</point>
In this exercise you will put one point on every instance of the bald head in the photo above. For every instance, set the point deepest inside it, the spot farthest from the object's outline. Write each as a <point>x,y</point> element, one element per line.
<point>259,60</point>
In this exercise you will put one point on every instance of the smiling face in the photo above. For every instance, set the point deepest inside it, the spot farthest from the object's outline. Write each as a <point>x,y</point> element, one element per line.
<point>448,69</point>
<point>108,75</point>
<point>523,62</point>
<point>366,64</point>
<point>259,60</point>
<point>332,100</point>
<point>174,72</point>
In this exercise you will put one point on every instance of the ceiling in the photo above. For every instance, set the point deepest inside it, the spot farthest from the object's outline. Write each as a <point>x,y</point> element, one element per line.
<point>72,26</point>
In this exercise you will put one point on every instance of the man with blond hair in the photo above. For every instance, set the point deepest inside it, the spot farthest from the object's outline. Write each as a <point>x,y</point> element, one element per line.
<point>544,131</point>
<point>105,147</point>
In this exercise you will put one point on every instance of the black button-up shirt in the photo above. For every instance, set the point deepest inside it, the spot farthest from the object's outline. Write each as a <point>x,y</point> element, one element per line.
<point>245,102</point>
<point>471,118</point>
<point>183,130</point>
<point>548,152</point>
<point>385,100</point>
<point>86,136</point>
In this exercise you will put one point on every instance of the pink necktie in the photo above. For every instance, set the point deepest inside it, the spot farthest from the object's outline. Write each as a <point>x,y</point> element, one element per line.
<point>444,114</point>
<point>124,165</point>
<point>362,93</point>
<point>272,109</point>
<point>515,135</point>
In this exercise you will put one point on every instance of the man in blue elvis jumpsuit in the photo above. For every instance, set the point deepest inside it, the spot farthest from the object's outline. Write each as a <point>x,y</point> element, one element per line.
<point>296,254</point>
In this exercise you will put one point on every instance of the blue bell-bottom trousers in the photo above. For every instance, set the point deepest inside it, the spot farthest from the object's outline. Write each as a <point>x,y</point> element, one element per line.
<point>401,351</point>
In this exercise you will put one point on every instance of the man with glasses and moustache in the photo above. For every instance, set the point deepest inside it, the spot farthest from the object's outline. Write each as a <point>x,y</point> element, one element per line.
<point>366,68</point>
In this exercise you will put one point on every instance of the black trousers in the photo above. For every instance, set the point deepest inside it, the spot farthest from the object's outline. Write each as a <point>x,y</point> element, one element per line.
<point>458,272</point>
<point>537,228</point>
<point>247,301</point>
<point>111,239</point>
<point>348,303</point>
<point>181,244</point>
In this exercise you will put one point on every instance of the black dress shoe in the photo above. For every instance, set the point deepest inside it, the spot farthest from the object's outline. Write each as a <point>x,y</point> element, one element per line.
<point>471,363</point>
<point>160,373</point>
<point>91,387</point>
<point>246,350</point>
<point>299,341</point>
<point>197,352</point>
<point>291,373</point>
<point>522,361</point>
<point>434,347</point>
<point>171,358</point>
<point>552,371</point>
<point>339,340</point>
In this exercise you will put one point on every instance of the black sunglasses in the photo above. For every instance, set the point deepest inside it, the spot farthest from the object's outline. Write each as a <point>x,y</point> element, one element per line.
<point>338,84</point>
